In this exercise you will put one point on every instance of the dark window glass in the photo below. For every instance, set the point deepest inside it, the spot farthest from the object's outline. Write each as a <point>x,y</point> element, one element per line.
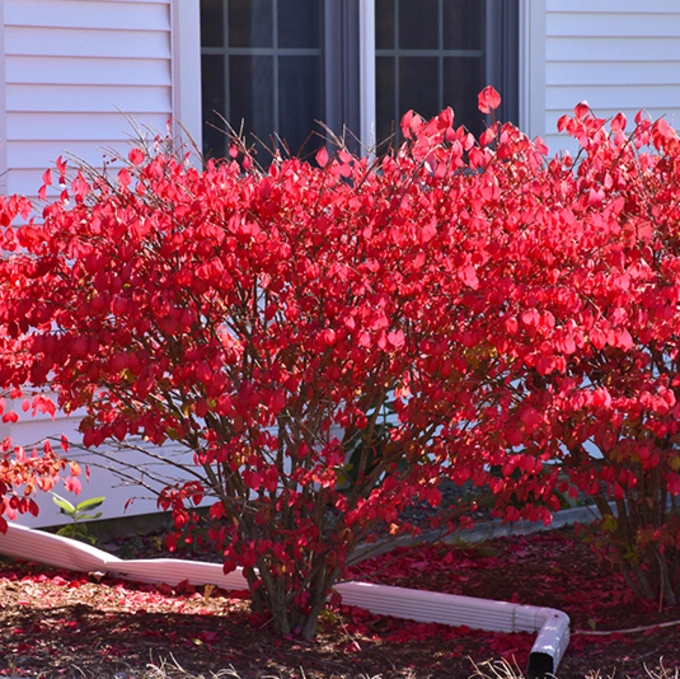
<point>251,96</point>
<point>419,85</point>
<point>250,23</point>
<point>385,98</point>
<point>440,58</point>
<point>463,79</point>
<point>299,23</point>
<point>418,24</point>
<point>212,99</point>
<point>463,24</point>
<point>384,24</point>
<point>301,96</point>
<point>267,77</point>
<point>212,23</point>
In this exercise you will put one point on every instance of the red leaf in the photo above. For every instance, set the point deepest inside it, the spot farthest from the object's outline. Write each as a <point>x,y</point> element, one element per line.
<point>124,178</point>
<point>581,109</point>
<point>73,484</point>
<point>396,339</point>
<point>468,275</point>
<point>618,123</point>
<point>61,166</point>
<point>429,231</point>
<point>487,136</point>
<point>488,99</point>
<point>322,157</point>
<point>598,338</point>
<point>217,511</point>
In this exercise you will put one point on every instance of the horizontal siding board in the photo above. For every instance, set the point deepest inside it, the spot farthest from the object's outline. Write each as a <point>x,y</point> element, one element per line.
<point>26,182</point>
<point>86,14</point>
<point>612,96</point>
<point>41,154</point>
<point>673,117</point>
<point>558,142</point>
<point>92,127</point>
<point>612,49</point>
<point>43,425</point>
<point>611,6</point>
<point>88,98</point>
<point>28,417</point>
<point>625,24</point>
<point>68,42</point>
<point>91,71</point>
<point>105,483</point>
<point>613,73</point>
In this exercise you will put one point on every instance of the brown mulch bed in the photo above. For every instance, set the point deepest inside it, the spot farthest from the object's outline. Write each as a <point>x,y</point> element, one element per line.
<point>59,624</point>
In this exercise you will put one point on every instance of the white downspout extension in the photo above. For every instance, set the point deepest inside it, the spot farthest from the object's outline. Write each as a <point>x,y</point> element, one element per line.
<point>551,625</point>
<point>455,610</point>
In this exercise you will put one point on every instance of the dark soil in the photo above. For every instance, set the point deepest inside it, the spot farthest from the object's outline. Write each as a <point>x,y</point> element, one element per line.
<point>58,624</point>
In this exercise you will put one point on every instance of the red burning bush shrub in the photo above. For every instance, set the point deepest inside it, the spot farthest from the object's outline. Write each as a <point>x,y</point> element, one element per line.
<point>331,340</point>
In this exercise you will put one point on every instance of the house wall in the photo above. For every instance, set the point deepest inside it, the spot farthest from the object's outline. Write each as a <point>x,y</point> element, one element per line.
<point>128,479</point>
<point>74,73</point>
<point>76,78</point>
<point>79,75</point>
<point>619,56</point>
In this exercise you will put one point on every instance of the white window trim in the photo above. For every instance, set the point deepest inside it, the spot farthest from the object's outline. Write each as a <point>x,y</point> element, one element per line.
<point>367,73</point>
<point>186,68</point>
<point>532,32</point>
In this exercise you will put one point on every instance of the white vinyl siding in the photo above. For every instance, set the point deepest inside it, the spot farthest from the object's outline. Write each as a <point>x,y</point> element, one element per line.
<point>77,77</point>
<point>618,56</point>
<point>76,74</point>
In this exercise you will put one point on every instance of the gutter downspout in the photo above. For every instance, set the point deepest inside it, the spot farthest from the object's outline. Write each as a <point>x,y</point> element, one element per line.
<point>551,624</point>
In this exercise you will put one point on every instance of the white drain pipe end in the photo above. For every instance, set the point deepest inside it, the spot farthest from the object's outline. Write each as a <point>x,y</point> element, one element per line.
<point>551,624</point>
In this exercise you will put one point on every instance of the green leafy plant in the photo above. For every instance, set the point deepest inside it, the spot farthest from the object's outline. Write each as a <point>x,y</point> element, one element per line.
<point>78,513</point>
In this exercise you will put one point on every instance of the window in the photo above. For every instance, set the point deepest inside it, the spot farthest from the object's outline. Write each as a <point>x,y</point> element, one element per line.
<point>262,63</point>
<point>276,67</point>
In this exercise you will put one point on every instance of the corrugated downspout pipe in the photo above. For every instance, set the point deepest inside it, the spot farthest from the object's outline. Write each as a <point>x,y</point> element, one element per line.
<point>551,625</point>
